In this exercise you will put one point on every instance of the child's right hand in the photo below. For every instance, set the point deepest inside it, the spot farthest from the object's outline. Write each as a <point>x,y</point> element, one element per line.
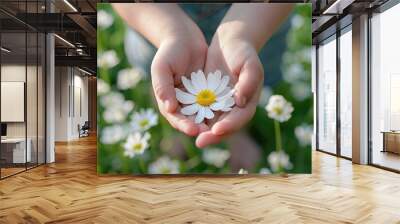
<point>181,50</point>
<point>175,57</point>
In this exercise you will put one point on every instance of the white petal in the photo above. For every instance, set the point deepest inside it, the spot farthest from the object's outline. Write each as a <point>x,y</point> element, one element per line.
<point>217,105</point>
<point>183,97</point>
<point>229,102</point>
<point>200,116</point>
<point>228,92</point>
<point>213,80</point>
<point>188,85</point>
<point>222,85</point>
<point>199,81</point>
<point>190,110</point>
<point>226,109</point>
<point>208,113</point>
<point>194,83</point>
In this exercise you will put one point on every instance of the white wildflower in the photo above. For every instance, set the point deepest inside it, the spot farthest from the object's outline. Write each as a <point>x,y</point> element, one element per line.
<point>107,59</point>
<point>279,160</point>
<point>279,109</point>
<point>164,165</point>
<point>205,95</point>
<point>116,107</point>
<point>102,87</point>
<point>243,171</point>
<point>112,134</point>
<point>216,157</point>
<point>265,171</point>
<point>118,113</point>
<point>136,144</point>
<point>128,78</point>
<point>104,19</point>
<point>144,120</point>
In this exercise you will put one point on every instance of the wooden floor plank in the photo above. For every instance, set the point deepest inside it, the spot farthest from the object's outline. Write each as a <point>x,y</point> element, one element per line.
<point>70,191</point>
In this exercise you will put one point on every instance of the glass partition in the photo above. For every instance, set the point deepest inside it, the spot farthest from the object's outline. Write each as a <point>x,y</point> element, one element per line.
<point>346,92</point>
<point>22,95</point>
<point>31,99</point>
<point>14,153</point>
<point>41,109</point>
<point>327,95</point>
<point>385,89</point>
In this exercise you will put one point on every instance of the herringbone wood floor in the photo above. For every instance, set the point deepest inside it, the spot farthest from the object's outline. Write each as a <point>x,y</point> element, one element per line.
<point>70,191</point>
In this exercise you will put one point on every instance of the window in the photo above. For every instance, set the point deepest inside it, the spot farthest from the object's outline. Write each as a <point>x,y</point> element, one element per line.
<point>327,96</point>
<point>385,89</point>
<point>346,92</point>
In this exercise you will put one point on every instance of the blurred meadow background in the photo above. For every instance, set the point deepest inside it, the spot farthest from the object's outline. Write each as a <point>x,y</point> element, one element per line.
<point>128,116</point>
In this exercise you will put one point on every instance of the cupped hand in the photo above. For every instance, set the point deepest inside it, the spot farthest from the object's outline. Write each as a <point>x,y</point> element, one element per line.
<point>239,59</point>
<point>177,56</point>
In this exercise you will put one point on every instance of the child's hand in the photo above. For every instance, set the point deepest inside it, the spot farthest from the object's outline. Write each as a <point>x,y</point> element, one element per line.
<point>174,58</point>
<point>241,34</point>
<point>239,59</point>
<point>181,47</point>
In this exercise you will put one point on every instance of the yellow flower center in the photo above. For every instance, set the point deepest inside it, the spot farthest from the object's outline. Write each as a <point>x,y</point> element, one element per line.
<point>278,110</point>
<point>165,170</point>
<point>206,97</point>
<point>143,123</point>
<point>137,147</point>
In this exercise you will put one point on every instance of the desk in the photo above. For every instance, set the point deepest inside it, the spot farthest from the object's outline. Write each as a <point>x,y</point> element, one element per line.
<point>16,147</point>
<point>391,141</point>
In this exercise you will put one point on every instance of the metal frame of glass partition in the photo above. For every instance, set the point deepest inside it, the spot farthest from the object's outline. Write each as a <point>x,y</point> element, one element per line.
<point>337,34</point>
<point>387,5</point>
<point>40,36</point>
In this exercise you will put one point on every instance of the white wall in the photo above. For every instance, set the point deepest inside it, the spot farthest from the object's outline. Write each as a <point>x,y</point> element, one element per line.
<point>70,84</point>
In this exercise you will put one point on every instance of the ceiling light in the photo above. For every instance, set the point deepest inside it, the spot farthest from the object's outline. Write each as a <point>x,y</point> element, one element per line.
<point>64,40</point>
<point>5,50</point>
<point>70,5</point>
<point>84,71</point>
<point>337,7</point>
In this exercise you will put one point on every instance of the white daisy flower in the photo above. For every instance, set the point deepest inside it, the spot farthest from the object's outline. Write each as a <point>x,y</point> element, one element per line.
<point>128,78</point>
<point>118,113</point>
<point>104,19</point>
<point>112,134</point>
<point>116,107</point>
<point>279,109</point>
<point>265,171</point>
<point>243,171</point>
<point>279,160</point>
<point>144,120</point>
<point>205,95</point>
<point>136,144</point>
<point>304,134</point>
<point>102,87</point>
<point>107,59</point>
<point>112,99</point>
<point>164,165</point>
<point>216,157</point>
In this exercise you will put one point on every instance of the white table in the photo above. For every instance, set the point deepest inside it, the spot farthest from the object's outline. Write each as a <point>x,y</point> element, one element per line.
<point>19,149</point>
